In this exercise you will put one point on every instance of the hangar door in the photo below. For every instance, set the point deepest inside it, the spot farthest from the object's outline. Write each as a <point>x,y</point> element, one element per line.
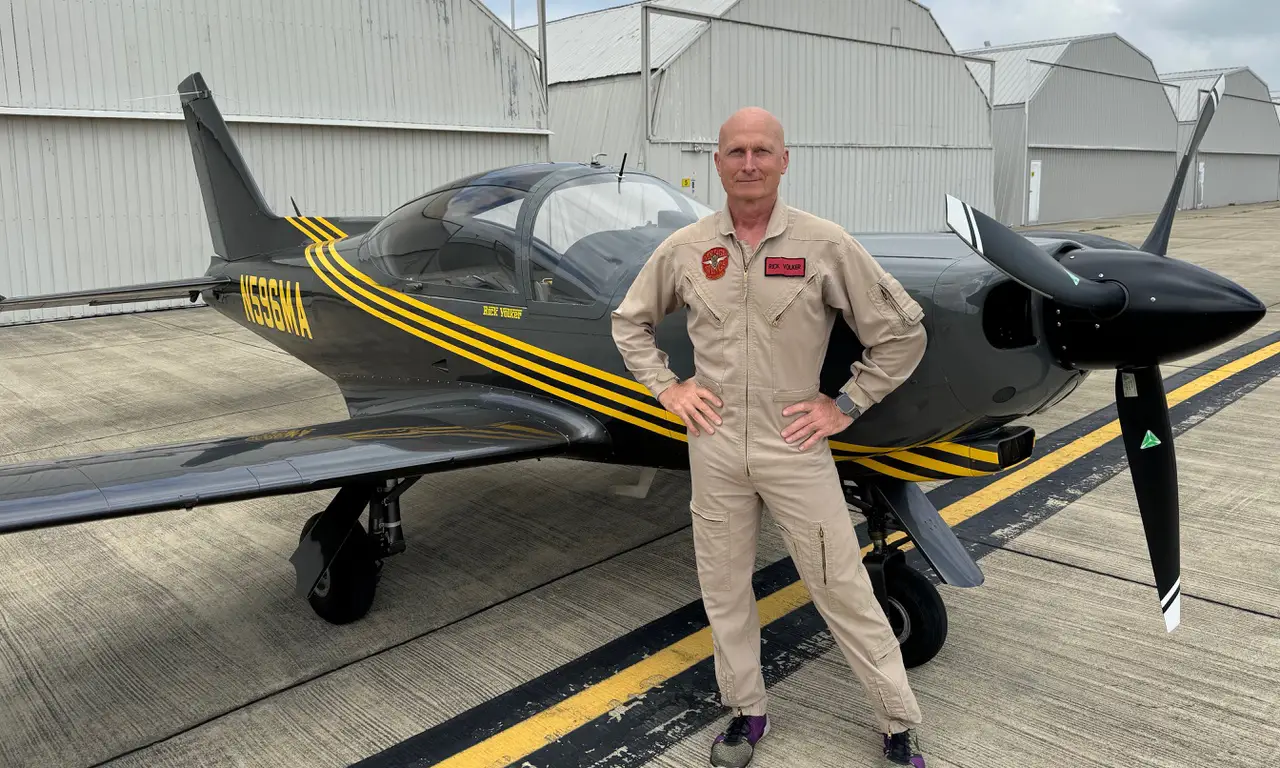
<point>878,132</point>
<point>1239,179</point>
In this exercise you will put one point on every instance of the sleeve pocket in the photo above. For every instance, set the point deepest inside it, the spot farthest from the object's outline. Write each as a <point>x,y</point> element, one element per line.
<point>895,305</point>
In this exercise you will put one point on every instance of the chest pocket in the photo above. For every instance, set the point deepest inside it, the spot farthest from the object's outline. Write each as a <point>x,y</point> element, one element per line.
<point>707,323</point>
<point>798,336</point>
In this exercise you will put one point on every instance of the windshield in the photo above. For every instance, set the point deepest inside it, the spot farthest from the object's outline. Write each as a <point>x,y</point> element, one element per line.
<point>589,230</point>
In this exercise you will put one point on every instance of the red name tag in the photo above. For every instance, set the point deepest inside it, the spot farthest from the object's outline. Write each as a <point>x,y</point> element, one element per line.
<point>775,266</point>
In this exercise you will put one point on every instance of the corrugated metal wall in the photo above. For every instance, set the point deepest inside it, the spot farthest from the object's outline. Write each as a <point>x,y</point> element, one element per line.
<point>592,116</point>
<point>1085,109</point>
<point>97,186</point>
<point>1099,183</point>
<point>894,22</point>
<point>1244,125</point>
<point>1239,179</point>
<point>878,134</point>
<point>414,61</point>
<point>89,203</point>
<point>864,190</point>
<point>1010,192</point>
<point>1240,151</point>
<point>826,91</point>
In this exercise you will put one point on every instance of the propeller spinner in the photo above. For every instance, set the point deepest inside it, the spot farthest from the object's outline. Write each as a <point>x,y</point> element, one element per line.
<point>1129,311</point>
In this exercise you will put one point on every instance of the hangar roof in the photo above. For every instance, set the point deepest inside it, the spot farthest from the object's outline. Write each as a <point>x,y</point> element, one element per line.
<point>1018,76</point>
<point>1192,85</point>
<point>606,43</point>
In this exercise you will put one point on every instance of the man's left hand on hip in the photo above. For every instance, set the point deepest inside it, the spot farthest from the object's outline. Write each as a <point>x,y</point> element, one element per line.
<point>822,418</point>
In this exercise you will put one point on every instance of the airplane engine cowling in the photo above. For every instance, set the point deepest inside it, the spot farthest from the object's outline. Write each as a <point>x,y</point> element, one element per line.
<point>990,330</point>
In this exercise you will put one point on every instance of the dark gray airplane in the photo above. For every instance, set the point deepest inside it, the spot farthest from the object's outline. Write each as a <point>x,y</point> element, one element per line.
<point>471,326</point>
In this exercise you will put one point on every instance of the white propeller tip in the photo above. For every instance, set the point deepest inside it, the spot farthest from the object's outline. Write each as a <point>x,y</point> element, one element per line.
<point>960,221</point>
<point>1171,605</point>
<point>1173,614</point>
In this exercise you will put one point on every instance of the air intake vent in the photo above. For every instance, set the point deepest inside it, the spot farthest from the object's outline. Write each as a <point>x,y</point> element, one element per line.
<point>1006,317</point>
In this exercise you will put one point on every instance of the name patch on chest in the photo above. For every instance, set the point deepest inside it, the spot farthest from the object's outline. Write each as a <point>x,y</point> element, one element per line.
<point>777,266</point>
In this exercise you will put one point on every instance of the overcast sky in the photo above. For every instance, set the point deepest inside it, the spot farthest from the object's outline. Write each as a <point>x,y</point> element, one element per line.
<point>1176,34</point>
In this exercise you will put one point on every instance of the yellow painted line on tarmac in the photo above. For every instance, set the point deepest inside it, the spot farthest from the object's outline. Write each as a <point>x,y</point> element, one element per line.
<point>528,736</point>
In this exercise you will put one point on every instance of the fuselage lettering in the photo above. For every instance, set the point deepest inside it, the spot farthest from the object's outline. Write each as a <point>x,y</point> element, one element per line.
<point>274,303</point>
<point>509,313</point>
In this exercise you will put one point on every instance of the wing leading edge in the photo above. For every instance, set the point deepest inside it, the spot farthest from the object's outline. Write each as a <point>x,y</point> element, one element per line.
<point>365,448</point>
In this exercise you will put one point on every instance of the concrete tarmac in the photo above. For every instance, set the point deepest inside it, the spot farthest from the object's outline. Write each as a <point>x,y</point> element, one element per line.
<point>176,640</point>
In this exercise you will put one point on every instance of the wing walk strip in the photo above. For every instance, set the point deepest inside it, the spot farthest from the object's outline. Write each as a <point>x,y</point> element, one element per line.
<point>551,715</point>
<point>936,461</point>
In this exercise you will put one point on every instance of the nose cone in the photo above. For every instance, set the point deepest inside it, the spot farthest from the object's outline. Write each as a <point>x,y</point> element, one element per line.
<point>1175,310</point>
<point>1192,309</point>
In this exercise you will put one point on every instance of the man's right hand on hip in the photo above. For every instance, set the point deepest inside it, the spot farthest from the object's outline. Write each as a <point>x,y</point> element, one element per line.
<point>693,404</point>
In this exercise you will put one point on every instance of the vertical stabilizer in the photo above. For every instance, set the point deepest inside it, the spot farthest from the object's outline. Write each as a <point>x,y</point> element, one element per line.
<point>240,221</point>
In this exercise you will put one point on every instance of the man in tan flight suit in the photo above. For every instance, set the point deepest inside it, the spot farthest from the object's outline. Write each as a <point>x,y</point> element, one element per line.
<point>763,283</point>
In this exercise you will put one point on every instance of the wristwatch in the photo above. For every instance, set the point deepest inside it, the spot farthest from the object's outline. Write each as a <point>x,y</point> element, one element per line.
<point>847,406</point>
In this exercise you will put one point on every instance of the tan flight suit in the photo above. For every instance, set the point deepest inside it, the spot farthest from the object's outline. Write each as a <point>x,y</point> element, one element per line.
<point>759,341</point>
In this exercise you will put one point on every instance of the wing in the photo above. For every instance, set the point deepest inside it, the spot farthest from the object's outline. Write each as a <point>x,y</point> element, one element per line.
<point>403,443</point>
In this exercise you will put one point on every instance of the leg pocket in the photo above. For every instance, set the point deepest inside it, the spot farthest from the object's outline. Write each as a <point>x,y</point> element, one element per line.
<point>711,548</point>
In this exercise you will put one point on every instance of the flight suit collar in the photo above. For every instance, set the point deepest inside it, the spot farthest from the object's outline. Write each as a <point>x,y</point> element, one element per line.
<point>779,220</point>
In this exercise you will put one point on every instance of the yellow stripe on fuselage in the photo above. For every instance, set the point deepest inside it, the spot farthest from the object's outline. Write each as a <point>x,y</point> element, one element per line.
<point>329,265</point>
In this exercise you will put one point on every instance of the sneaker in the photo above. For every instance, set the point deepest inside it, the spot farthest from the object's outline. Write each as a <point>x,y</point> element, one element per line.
<point>903,749</point>
<point>734,747</point>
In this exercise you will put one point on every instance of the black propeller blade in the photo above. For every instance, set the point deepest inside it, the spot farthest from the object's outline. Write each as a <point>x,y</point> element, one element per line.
<point>1157,241</point>
<point>1148,443</point>
<point>1031,266</point>
<point>1148,309</point>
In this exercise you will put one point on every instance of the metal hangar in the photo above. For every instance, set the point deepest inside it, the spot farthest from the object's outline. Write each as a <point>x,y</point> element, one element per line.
<point>1083,129</point>
<point>882,116</point>
<point>350,111</point>
<point>1239,158</point>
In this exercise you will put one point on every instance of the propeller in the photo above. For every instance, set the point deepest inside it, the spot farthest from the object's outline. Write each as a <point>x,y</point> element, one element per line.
<point>1142,309</point>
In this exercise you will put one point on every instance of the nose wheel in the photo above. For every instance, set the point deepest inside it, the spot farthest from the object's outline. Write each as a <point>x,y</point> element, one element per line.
<point>917,614</point>
<point>910,601</point>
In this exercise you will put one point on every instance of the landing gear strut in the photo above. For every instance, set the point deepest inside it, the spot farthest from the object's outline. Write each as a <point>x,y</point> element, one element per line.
<point>909,599</point>
<point>337,561</point>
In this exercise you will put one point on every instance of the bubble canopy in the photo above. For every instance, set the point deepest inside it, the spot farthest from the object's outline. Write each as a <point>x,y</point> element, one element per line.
<point>549,232</point>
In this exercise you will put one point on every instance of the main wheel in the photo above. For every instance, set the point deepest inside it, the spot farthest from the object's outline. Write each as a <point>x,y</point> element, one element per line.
<point>346,589</point>
<point>917,614</point>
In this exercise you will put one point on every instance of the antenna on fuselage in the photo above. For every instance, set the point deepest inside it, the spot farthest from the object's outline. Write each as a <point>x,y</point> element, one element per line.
<point>623,166</point>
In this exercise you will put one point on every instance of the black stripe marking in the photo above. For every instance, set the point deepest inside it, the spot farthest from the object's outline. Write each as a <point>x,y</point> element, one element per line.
<point>966,462</point>
<point>1168,601</point>
<point>337,267</point>
<point>973,227</point>
<point>687,702</point>
<point>915,469</point>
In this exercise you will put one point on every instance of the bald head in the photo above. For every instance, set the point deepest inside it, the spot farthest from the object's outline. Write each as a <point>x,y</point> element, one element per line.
<point>752,120</point>
<point>752,156</point>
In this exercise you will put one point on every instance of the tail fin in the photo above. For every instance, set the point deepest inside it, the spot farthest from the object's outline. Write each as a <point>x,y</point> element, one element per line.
<point>240,221</point>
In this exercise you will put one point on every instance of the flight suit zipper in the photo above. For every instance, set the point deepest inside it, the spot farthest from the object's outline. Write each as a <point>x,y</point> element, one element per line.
<point>746,318</point>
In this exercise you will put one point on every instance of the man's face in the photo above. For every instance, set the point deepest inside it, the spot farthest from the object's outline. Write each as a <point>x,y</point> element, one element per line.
<point>751,159</point>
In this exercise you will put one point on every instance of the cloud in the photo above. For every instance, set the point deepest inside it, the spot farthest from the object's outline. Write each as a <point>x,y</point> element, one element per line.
<point>1176,34</point>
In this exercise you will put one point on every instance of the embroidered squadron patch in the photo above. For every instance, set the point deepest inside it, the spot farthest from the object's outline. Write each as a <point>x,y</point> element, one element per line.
<point>715,262</point>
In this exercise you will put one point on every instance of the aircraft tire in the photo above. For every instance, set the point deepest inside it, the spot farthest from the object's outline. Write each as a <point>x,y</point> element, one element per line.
<point>346,590</point>
<point>917,614</point>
